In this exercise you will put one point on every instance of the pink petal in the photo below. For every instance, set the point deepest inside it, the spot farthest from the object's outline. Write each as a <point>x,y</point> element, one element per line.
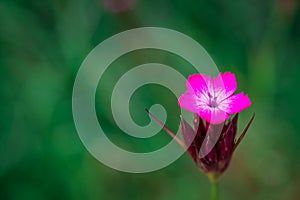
<point>213,115</point>
<point>188,102</point>
<point>225,85</point>
<point>235,103</point>
<point>200,83</point>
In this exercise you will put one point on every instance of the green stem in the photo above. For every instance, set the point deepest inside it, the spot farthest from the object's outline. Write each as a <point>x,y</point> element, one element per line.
<point>215,190</point>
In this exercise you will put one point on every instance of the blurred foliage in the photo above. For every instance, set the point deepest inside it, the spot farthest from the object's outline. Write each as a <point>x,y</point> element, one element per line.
<point>42,44</point>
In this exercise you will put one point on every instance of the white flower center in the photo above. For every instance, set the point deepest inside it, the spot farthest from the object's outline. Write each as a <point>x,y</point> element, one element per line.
<point>213,102</point>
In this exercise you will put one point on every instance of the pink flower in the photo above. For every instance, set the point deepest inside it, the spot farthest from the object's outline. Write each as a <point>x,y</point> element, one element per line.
<point>212,98</point>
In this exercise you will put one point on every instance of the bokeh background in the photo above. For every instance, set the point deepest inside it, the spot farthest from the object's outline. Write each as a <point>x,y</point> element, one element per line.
<point>42,44</point>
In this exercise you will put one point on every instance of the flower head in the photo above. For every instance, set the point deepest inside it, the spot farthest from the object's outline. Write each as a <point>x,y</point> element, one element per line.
<point>212,98</point>
<point>212,141</point>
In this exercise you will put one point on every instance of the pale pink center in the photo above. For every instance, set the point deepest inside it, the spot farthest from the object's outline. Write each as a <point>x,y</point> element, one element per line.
<point>213,102</point>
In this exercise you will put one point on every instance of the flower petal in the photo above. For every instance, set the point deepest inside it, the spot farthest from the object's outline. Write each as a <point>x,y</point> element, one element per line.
<point>225,85</point>
<point>188,102</point>
<point>200,83</point>
<point>213,115</point>
<point>235,103</point>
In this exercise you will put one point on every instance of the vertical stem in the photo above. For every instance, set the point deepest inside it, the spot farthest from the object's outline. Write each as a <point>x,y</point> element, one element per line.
<point>215,190</point>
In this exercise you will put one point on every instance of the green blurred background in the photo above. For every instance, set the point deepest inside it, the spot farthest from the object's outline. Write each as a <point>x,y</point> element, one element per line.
<point>42,44</point>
